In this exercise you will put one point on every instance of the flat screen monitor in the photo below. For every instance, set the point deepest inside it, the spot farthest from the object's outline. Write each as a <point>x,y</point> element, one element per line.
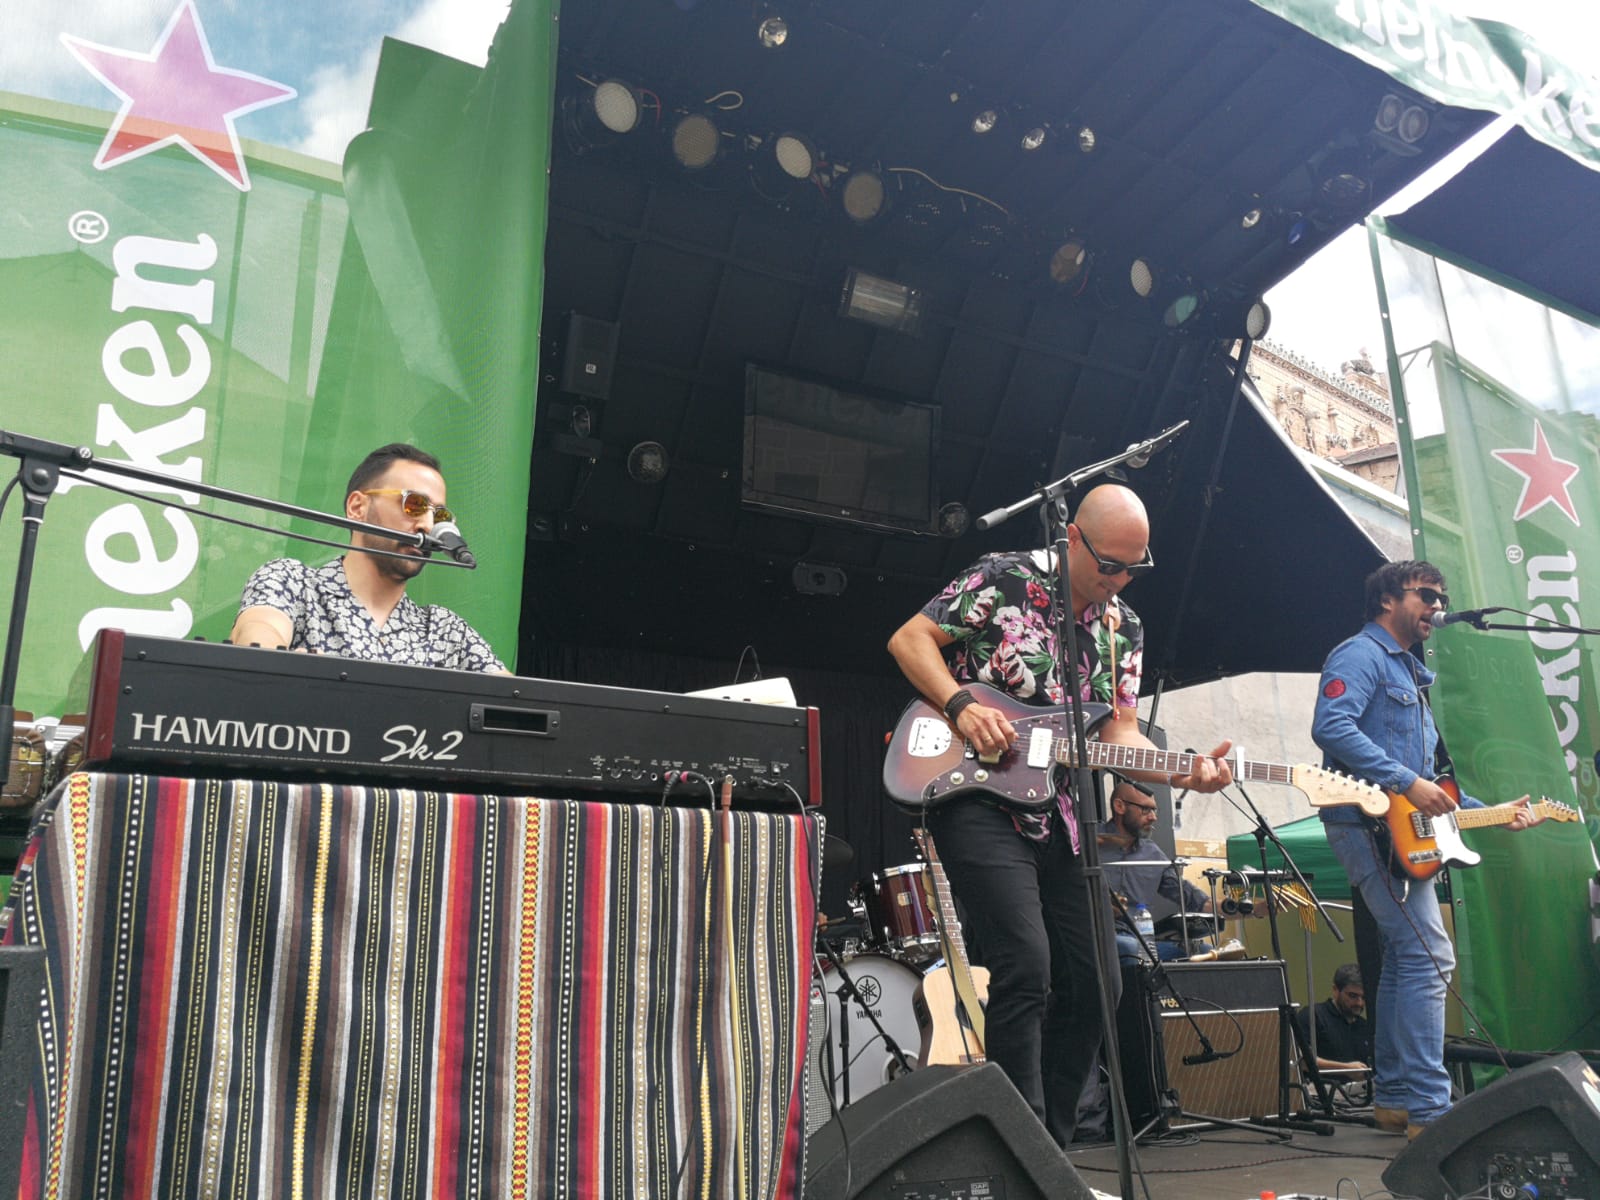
<point>819,450</point>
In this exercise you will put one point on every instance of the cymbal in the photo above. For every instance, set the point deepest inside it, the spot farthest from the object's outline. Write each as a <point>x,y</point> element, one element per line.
<point>836,853</point>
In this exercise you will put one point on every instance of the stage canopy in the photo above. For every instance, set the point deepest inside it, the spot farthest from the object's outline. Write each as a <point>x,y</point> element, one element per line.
<point>1026,153</point>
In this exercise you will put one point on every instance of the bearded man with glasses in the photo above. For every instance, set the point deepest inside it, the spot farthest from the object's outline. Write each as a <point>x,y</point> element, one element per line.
<point>1373,721</point>
<point>1019,874</point>
<point>356,606</point>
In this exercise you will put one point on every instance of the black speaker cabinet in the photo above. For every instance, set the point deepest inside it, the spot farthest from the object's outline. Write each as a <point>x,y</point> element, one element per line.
<point>1539,1125</point>
<point>952,1132</point>
<point>1235,1004</point>
<point>22,979</point>
<point>588,356</point>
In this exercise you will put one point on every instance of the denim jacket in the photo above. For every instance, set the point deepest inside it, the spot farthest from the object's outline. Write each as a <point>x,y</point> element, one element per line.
<point>1371,720</point>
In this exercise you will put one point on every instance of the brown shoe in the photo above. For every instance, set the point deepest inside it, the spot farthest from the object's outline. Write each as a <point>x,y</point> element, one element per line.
<point>1392,1120</point>
<point>1412,1130</point>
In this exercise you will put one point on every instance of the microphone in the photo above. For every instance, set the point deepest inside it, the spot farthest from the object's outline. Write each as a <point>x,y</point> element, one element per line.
<point>1471,615</point>
<point>1155,445</point>
<point>1177,809</point>
<point>1205,1056</point>
<point>447,537</point>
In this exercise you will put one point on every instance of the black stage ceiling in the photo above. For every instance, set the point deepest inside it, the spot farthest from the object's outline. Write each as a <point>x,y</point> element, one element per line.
<point>1200,111</point>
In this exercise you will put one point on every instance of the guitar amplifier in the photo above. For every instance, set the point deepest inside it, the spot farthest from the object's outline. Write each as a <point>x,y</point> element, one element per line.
<point>1235,1004</point>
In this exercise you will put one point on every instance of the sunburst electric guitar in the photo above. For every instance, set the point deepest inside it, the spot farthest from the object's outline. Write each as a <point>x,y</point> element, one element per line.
<point>949,1000</point>
<point>1422,844</point>
<point>929,764</point>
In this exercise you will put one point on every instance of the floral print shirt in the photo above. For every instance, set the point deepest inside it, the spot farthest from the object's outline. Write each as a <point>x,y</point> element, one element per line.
<point>328,619</point>
<point>1000,612</point>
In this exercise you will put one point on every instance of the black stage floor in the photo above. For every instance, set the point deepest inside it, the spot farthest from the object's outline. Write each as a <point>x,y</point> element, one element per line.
<point>1233,1164</point>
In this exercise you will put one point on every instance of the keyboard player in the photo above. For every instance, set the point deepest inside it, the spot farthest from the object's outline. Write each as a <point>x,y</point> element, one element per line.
<point>356,606</point>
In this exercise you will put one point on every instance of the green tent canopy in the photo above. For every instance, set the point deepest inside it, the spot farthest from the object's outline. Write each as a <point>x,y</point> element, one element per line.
<point>1310,850</point>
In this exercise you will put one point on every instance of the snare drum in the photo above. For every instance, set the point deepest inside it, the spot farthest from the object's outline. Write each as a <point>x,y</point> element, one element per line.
<point>898,914</point>
<point>888,988</point>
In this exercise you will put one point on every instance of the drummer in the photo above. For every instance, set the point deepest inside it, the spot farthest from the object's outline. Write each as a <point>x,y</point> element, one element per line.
<point>1125,838</point>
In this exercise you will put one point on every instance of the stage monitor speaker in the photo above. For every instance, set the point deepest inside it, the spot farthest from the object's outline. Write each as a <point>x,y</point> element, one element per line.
<point>588,357</point>
<point>1539,1126</point>
<point>22,980</point>
<point>953,1132</point>
<point>1235,1004</point>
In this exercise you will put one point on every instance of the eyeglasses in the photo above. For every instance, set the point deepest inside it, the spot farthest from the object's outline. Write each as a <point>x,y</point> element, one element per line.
<point>413,504</point>
<point>1430,596</point>
<point>1136,804</point>
<point>1115,566</point>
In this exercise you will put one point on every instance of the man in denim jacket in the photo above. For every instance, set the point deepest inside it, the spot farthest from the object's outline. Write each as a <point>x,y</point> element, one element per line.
<point>1372,721</point>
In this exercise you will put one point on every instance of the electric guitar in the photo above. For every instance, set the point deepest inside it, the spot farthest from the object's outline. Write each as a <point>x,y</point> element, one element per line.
<point>1420,845</point>
<point>949,1000</point>
<point>929,764</point>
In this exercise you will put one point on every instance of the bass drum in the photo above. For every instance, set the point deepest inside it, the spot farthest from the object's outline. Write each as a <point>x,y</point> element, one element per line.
<point>852,1056</point>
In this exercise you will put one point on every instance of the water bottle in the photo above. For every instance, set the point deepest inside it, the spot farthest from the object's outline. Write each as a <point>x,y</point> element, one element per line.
<point>1145,924</point>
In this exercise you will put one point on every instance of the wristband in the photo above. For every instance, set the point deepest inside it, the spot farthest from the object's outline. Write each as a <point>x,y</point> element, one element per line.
<point>961,700</point>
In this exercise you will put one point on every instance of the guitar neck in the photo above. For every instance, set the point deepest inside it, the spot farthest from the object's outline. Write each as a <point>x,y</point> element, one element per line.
<point>1167,762</point>
<point>1499,814</point>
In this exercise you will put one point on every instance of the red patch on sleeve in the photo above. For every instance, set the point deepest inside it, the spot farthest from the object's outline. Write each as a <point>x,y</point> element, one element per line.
<point>1333,689</point>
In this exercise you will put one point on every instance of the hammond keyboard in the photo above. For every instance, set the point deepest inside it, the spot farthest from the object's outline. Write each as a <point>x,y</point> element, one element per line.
<point>210,708</point>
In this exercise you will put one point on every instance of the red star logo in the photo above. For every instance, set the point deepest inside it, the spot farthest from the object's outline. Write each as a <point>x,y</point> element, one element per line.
<point>1544,477</point>
<point>177,95</point>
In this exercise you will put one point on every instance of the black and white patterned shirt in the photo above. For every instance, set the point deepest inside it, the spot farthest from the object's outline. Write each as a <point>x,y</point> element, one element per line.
<point>328,619</point>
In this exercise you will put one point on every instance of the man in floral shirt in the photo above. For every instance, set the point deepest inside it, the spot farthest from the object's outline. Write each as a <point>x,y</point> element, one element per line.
<point>1019,874</point>
<point>356,606</point>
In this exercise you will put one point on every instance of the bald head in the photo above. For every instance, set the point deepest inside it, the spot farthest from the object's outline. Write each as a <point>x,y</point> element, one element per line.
<point>1113,511</point>
<point>1113,519</point>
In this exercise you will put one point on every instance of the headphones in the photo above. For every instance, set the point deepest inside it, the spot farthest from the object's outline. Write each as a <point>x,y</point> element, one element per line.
<point>1236,900</point>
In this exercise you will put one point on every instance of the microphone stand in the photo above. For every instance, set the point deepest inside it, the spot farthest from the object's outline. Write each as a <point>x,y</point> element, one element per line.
<point>1288,1030</point>
<point>43,463</point>
<point>1475,618</point>
<point>1086,794</point>
<point>848,988</point>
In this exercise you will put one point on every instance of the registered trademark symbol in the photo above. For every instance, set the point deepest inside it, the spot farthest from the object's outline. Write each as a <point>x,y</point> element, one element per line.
<point>88,227</point>
<point>1513,554</point>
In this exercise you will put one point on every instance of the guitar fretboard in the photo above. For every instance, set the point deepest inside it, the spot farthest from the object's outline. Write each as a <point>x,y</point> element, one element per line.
<point>1166,762</point>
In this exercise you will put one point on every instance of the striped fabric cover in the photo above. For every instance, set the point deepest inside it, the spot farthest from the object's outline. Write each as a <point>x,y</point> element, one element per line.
<point>289,990</point>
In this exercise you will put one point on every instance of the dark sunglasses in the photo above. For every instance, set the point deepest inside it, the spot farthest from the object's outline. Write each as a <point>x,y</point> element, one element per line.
<point>1115,566</point>
<point>413,504</point>
<point>1430,596</point>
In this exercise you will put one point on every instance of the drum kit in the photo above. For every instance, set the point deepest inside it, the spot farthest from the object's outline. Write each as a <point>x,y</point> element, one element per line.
<point>883,948</point>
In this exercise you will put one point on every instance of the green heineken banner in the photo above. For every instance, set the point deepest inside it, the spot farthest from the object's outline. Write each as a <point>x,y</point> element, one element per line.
<point>1506,494</point>
<point>259,314</point>
<point>1470,61</point>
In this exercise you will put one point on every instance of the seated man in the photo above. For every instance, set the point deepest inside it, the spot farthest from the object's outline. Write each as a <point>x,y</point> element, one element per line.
<point>356,606</point>
<point>1125,838</point>
<point>1343,1033</point>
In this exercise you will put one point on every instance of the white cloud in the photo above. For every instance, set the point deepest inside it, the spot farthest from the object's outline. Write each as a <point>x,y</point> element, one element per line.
<point>34,62</point>
<point>334,104</point>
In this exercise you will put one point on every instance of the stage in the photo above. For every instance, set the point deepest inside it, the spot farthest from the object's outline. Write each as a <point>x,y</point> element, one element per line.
<point>1232,1164</point>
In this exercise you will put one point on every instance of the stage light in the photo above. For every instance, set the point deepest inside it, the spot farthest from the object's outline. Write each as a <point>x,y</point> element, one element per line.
<point>1086,140</point>
<point>1143,278</point>
<point>647,462</point>
<point>595,116</point>
<point>924,213</point>
<point>953,519</point>
<point>1251,218</point>
<point>1033,139</point>
<point>864,196</point>
<point>1179,310</point>
<point>1233,319</point>
<point>984,234</point>
<point>1068,261</point>
<point>881,302</point>
<point>696,141</point>
<point>772,32</point>
<point>1343,179</point>
<point>795,155</point>
<point>1298,228</point>
<point>1401,122</point>
<point>984,120</point>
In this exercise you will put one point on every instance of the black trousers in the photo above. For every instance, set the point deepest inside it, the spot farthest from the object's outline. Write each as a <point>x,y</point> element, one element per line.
<point>1028,911</point>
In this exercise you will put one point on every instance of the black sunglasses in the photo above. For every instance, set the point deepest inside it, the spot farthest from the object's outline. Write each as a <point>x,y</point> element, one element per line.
<point>1430,596</point>
<point>1115,566</point>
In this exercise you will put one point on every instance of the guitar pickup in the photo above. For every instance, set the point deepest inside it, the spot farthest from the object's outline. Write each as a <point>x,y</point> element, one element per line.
<point>1041,748</point>
<point>1422,856</point>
